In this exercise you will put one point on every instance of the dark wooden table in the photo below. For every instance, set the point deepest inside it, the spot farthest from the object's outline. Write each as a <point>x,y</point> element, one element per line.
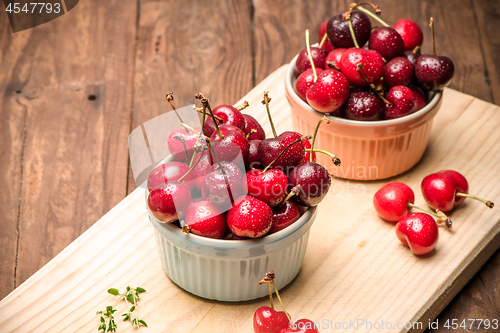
<point>72,89</point>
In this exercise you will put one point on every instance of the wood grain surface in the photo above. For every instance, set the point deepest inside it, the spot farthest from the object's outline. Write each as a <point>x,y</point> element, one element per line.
<point>64,155</point>
<point>354,262</point>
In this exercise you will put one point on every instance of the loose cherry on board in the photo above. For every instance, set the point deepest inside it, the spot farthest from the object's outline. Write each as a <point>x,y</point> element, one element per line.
<point>205,219</point>
<point>395,200</point>
<point>433,72</point>
<point>266,319</point>
<point>447,189</point>
<point>418,231</point>
<point>249,217</point>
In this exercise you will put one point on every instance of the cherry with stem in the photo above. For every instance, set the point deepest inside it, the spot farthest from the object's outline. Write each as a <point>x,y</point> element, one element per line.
<point>294,191</point>
<point>441,217</point>
<point>307,137</point>
<point>369,13</point>
<point>270,276</point>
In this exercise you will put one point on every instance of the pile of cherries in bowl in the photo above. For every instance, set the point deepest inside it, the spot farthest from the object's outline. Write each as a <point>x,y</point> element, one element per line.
<point>226,180</point>
<point>363,73</point>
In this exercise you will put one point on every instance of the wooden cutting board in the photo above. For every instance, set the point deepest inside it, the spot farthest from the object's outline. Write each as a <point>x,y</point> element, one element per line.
<point>355,270</point>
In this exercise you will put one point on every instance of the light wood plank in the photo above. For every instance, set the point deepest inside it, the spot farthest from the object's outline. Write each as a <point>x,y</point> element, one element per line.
<point>354,262</point>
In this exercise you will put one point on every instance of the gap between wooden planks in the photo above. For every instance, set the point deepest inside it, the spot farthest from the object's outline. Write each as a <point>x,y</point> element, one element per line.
<point>355,268</point>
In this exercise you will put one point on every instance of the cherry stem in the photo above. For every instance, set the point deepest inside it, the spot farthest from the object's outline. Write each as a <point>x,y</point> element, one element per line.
<point>486,202</point>
<point>335,159</point>
<point>181,139</point>
<point>192,166</point>
<point>271,296</point>
<point>441,218</point>
<point>367,12</point>
<point>207,105</point>
<point>252,131</point>
<point>351,29</point>
<point>431,24</point>
<point>242,106</point>
<point>186,126</point>
<point>416,49</point>
<point>323,40</point>
<point>307,137</point>
<point>324,119</point>
<point>279,299</point>
<point>308,47</point>
<point>201,110</point>
<point>331,65</point>
<point>266,102</point>
<point>294,191</point>
<point>372,87</point>
<point>215,156</point>
<point>170,99</point>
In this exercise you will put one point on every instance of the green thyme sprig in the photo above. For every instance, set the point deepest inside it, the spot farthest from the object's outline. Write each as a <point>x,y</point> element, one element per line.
<point>131,295</point>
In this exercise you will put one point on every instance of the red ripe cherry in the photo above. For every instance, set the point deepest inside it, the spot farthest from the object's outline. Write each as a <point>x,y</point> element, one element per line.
<point>301,326</point>
<point>398,72</point>
<point>167,172</point>
<point>314,181</point>
<point>447,189</point>
<point>363,105</point>
<point>207,220</point>
<point>403,102</point>
<point>334,57</point>
<point>285,215</point>
<point>434,72</point>
<point>219,188</point>
<point>229,115</point>
<point>249,217</point>
<point>253,161</point>
<point>268,186</point>
<point>410,32</point>
<point>269,149</point>
<point>419,95</point>
<point>232,144</point>
<point>268,320</point>
<point>327,45</point>
<point>372,62</point>
<point>305,81</point>
<point>318,55</point>
<point>169,201</point>
<point>330,91</point>
<point>391,201</point>
<point>176,147</point>
<point>418,231</point>
<point>203,168</point>
<point>252,124</point>
<point>338,32</point>
<point>387,42</point>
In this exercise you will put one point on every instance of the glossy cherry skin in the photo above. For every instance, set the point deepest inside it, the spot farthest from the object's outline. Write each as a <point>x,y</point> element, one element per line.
<point>403,102</point>
<point>284,216</point>
<point>252,124</point>
<point>434,72</point>
<point>221,189</point>
<point>253,161</point>
<point>318,55</point>
<point>314,181</point>
<point>391,201</point>
<point>330,91</point>
<point>372,62</point>
<point>338,32</point>
<point>327,45</point>
<point>363,105</point>
<point>249,217</point>
<point>387,42</point>
<point>232,144</point>
<point>229,115</point>
<point>418,231</point>
<point>269,186</point>
<point>439,189</point>
<point>207,220</point>
<point>170,201</point>
<point>301,326</point>
<point>398,72</point>
<point>334,57</point>
<point>269,149</point>
<point>268,320</point>
<point>410,32</point>
<point>305,81</point>
<point>203,168</point>
<point>419,95</point>
<point>170,171</point>
<point>176,148</point>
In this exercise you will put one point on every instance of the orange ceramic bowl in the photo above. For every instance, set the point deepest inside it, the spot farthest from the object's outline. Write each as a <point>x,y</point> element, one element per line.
<point>368,150</point>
